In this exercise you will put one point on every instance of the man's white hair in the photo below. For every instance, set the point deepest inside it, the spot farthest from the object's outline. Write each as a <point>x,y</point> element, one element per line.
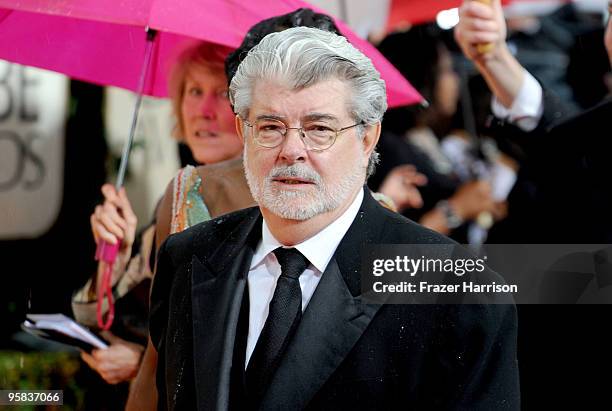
<point>302,56</point>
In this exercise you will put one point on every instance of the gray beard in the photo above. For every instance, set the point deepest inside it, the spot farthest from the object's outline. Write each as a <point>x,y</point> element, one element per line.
<point>302,205</point>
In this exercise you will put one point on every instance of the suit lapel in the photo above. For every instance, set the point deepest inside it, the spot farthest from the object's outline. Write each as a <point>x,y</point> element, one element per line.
<point>332,323</point>
<point>315,351</point>
<point>218,284</point>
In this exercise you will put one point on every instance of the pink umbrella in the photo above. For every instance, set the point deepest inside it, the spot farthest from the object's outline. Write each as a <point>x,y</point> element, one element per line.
<point>104,43</point>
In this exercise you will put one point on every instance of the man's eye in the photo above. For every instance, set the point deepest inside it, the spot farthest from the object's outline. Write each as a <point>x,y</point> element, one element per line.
<point>269,127</point>
<point>318,128</point>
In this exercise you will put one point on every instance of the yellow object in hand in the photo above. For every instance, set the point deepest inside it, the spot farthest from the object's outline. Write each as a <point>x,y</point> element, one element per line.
<point>485,48</point>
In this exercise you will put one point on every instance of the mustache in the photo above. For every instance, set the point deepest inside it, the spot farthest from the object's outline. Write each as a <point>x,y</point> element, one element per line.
<point>300,171</point>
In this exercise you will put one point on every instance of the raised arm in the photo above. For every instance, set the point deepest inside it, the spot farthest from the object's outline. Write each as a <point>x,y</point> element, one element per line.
<point>479,24</point>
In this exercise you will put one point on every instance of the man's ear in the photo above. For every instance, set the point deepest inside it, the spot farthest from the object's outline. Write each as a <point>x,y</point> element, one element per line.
<point>372,134</point>
<point>239,128</point>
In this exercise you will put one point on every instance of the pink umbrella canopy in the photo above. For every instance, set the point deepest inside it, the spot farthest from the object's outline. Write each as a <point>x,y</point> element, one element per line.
<point>104,43</point>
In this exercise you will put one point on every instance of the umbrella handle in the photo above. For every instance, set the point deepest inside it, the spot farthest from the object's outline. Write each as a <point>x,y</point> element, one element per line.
<point>107,253</point>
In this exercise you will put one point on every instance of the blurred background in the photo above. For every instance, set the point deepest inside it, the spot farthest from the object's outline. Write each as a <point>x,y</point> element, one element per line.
<point>61,139</point>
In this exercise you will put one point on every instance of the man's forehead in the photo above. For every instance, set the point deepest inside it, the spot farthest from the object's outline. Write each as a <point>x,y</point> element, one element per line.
<point>328,98</point>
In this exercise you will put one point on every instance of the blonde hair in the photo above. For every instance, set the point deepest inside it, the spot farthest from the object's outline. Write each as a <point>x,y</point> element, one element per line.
<point>202,56</point>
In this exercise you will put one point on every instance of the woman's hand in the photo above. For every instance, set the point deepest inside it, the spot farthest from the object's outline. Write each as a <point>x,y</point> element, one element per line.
<point>114,221</point>
<point>479,24</point>
<point>117,363</point>
<point>401,184</point>
<point>481,34</point>
<point>471,199</point>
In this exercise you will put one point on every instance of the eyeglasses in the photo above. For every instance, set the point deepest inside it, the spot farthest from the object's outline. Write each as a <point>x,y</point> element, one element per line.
<point>317,136</point>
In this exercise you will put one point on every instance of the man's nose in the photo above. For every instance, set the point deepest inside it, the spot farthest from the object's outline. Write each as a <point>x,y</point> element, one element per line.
<point>293,149</point>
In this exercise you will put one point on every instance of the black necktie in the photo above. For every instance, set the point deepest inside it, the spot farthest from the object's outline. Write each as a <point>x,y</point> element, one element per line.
<point>283,317</point>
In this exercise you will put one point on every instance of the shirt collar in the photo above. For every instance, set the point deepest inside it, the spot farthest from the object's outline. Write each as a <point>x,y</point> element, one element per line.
<point>320,248</point>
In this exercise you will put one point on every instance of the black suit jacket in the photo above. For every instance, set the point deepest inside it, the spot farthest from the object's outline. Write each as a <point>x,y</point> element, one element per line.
<point>563,194</point>
<point>345,354</point>
<point>578,181</point>
<point>565,349</point>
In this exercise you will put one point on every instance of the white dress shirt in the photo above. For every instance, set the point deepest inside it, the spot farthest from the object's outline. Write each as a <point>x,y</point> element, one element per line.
<point>265,269</point>
<point>527,108</point>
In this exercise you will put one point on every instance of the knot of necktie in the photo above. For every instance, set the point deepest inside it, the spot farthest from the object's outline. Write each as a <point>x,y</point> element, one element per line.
<point>292,262</point>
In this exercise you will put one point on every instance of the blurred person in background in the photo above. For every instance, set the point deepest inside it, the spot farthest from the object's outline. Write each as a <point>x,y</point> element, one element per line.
<point>588,72</point>
<point>452,197</point>
<point>570,171</point>
<point>539,37</point>
<point>205,123</point>
<point>551,40</point>
<point>564,350</point>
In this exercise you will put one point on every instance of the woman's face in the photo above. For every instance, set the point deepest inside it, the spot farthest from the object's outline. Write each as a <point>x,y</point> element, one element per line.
<point>207,118</point>
<point>447,85</point>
